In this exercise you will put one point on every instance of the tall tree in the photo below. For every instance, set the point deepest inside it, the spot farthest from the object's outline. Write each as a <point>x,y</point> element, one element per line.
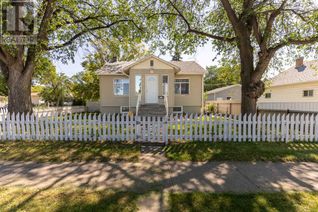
<point>253,29</point>
<point>60,26</point>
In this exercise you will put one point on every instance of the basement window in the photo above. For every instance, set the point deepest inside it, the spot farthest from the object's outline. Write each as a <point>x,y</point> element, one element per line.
<point>177,109</point>
<point>124,109</point>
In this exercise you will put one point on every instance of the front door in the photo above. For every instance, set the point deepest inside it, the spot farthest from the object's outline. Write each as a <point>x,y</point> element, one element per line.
<point>151,89</point>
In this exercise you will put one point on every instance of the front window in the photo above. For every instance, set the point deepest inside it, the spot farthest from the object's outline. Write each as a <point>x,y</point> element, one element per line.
<point>308,93</point>
<point>138,84</point>
<point>121,87</point>
<point>182,86</point>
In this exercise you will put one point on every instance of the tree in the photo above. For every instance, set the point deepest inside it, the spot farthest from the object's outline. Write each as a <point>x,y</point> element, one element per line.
<point>57,88</point>
<point>253,30</point>
<point>227,74</point>
<point>59,28</point>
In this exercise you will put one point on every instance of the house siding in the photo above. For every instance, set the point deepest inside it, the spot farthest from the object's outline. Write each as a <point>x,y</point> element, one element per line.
<point>290,97</point>
<point>195,96</point>
<point>107,97</point>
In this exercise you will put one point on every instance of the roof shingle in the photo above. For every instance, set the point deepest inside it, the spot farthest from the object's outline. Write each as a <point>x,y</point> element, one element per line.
<point>292,75</point>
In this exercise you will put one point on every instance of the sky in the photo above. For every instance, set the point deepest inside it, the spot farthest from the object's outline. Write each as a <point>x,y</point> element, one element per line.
<point>204,56</point>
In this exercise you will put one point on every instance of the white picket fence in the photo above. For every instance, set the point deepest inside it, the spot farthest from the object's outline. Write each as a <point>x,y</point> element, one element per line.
<point>205,128</point>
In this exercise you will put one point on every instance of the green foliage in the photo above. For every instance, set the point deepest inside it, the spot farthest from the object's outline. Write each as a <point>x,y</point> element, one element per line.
<point>211,108</point>
<point>227,74</point>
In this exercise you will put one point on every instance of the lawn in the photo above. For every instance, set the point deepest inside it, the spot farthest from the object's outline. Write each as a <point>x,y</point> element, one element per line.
<point>85,199</point>
<point>199,151</point>
<point>68,151</point>
<point>65,199</point>
<point>291,202</point>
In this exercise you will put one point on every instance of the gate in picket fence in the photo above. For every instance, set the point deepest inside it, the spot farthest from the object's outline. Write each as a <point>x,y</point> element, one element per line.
<point>190,127</point>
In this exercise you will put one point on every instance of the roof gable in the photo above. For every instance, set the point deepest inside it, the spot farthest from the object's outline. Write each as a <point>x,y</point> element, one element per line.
<point>237,86</point>
<point>180,67</point>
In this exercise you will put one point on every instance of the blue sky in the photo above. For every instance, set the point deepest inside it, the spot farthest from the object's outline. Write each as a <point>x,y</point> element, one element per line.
<point>204,56</point>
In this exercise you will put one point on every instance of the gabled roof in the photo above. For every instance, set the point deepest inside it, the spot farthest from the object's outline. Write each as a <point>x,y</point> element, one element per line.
<point>308,73</point>
<point>182,67</point>
<point>223,88</point>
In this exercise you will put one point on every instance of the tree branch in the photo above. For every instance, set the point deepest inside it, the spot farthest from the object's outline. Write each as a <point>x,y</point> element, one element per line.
<point>195,31</point>
<point>70,41</point>
<point>291,41</point>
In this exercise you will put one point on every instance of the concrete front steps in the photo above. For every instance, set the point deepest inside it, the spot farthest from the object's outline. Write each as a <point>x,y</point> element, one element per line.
<point>152,110</point>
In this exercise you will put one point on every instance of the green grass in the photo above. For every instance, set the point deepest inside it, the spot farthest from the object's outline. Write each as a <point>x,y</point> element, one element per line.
<point>68,151</point>
<point>65,199</point>
<point>85,199</point>
<point>291,202</point>
<point>199,151</point>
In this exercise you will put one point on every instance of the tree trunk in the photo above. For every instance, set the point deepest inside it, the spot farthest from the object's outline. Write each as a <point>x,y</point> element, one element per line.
<point>19,83</point>
<point>252,88</point>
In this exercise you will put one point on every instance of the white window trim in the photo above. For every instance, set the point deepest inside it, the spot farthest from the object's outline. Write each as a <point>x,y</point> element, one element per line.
<point>179,94</point>
<point>176,112</point>
<point>268,97</point>
<point>114,87</point>
<point>313,93</point>
<point>121,109</point>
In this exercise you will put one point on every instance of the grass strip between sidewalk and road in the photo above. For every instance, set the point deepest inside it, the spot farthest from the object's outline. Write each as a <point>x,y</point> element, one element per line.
<point>85,199</point>
<point>276,152</point>
<point>38,151</point>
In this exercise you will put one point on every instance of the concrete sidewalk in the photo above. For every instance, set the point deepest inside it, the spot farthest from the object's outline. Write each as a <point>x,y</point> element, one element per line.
<point>153,172</point>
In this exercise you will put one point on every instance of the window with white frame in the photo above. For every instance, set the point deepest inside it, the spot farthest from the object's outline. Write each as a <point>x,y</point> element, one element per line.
<point>268,95</point>
<point>124,109</point>
<point>177,109</point>
<point>121,87</point>
<point>308,93</point>
<point>182,86</point>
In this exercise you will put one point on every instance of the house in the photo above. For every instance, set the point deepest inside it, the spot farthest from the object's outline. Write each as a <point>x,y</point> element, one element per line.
<point>232,92</point>
<point>226,100</point>
<point>295,89</point>
<point>151,86</point>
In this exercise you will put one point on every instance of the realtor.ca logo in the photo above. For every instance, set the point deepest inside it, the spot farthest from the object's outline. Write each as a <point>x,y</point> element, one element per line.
<point>17,22</point>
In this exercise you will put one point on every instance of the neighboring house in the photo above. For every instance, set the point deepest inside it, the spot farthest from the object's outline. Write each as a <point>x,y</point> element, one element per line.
<point>232,92</point>
<point>295,89</point>
<point>152,83</point>
<point>227,100</point>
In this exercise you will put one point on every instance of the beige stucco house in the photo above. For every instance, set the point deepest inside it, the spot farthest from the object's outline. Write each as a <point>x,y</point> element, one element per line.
<point>151,85</point>
<point>295,89</point>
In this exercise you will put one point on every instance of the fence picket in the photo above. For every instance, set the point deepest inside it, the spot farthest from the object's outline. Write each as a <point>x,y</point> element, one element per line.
<point>123,127</point>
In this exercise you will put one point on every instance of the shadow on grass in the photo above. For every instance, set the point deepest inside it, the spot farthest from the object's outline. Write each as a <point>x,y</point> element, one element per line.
<point>244,202</point>
<point>199,151</point>
<point>68,151</point>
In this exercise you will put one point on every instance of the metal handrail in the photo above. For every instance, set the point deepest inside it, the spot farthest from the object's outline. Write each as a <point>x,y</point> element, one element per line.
<point>138,104</point>
<point>166,101</point>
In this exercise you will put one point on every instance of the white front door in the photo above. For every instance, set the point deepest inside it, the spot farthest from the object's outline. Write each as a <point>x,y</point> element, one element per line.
<point>151,89</point>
